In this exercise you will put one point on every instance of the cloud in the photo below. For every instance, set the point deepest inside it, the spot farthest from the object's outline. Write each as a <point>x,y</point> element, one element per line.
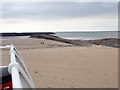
<point>57,10</point>
<point>59,16</point>
<point>59,0</point>
<point>84,24</point>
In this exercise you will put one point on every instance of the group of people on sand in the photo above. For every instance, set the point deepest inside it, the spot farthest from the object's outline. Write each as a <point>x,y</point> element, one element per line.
<point>42,42</point>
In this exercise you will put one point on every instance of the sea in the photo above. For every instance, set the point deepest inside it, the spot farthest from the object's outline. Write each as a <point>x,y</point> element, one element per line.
<point>88,35</point>
<point>76,35</point>
<point>13,37</point>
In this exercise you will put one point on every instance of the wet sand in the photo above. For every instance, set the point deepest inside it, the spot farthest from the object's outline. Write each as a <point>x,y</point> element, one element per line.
<point>60,65</point>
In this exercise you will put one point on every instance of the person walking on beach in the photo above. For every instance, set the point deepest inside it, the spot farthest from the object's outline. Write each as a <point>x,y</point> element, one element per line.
<point>42,42</point>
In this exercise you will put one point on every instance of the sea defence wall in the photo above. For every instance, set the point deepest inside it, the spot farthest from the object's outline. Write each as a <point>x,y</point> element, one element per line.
<point>56,38</point>
<point>112,42</point>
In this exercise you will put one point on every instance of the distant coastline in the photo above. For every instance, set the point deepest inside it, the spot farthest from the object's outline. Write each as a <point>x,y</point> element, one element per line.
<point>111,42</point>
<point>24,34</point>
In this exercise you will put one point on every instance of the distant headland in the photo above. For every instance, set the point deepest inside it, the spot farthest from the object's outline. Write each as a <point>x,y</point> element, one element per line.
<point>25,34</point>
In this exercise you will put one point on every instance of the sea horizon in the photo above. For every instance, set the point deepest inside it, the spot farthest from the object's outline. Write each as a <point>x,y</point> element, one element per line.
<point>83,35</point>
<point>88,35</point>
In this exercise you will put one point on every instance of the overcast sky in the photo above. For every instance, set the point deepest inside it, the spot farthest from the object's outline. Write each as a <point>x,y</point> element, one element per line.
<point>58,16</point>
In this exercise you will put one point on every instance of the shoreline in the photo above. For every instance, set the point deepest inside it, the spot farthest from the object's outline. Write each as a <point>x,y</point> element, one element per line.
<point>111,42</point>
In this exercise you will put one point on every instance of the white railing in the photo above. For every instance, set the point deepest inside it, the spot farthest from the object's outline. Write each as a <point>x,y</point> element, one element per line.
<point>17,68</point>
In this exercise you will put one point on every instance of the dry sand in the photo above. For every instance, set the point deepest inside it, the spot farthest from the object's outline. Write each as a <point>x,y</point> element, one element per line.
<point>59,65</point>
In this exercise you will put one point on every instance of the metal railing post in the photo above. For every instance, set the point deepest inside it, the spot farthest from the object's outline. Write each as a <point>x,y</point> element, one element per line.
<point>17,69</point>
<point>14,70</point>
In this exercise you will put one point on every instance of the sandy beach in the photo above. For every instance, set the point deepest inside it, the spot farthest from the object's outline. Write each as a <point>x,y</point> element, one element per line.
<point>59,65</point>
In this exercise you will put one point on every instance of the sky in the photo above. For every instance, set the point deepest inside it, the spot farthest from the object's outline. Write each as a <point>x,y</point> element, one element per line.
<point>58,16</point>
